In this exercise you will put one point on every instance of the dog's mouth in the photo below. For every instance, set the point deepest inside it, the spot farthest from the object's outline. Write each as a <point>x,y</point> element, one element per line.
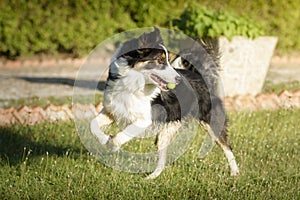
<point>162,84</point>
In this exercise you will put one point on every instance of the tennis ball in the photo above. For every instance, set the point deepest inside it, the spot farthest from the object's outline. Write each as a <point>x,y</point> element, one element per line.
<point>171,85</point>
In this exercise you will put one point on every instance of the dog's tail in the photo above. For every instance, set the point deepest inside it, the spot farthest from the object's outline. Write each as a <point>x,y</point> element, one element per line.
<point>202,57</point>
<point>211,46</point>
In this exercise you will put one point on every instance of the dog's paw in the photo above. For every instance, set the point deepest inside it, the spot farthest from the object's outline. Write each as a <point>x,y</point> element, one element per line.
<point>151,176</point>
<point>95,129</point>
<point>234,173</point>
<point>154,174</point>
<point>112,146</point>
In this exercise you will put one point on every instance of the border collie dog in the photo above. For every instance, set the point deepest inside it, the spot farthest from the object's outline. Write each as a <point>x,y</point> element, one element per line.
<point>142,75</point>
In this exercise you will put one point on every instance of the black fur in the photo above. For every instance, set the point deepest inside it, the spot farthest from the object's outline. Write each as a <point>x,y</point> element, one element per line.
<point>190,97</point>
<point>146,47</point>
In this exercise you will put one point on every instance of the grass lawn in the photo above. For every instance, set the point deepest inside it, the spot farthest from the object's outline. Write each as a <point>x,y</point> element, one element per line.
<point>48,161</point>
<point>270,87</point>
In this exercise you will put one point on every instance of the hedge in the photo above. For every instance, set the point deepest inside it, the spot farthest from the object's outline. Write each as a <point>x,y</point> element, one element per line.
<point>51,27</point>
<point>30,27</point>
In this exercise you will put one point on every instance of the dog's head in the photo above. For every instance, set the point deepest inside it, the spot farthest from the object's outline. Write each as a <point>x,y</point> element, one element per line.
<point>148,56</point>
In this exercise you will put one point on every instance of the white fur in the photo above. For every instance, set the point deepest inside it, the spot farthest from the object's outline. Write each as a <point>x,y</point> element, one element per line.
<point>177,63</point>
<point>96,124</point>
<point>167,54</point>
<point>232,163</point>
<point>128,100</point>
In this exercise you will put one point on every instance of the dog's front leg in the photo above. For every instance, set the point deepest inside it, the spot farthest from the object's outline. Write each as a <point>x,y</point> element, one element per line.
<point>164,139</point>
<point>133,130</point>
<point>99,121</point>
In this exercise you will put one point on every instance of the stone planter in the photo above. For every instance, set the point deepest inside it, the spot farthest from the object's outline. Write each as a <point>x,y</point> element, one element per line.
<point>245,63</point>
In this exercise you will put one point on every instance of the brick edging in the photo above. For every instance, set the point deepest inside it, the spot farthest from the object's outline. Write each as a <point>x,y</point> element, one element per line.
<point>35,115</point>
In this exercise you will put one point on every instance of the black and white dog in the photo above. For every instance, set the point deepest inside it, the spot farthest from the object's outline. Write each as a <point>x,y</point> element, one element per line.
<point>142,75</point>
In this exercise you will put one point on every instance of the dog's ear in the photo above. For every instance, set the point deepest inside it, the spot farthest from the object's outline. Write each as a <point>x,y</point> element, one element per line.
<point>157,31</point>
<point>150,40</point>
<point>146,41</point>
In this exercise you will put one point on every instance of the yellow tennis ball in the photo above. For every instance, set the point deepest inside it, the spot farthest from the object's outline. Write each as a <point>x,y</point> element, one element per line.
<point>171,85</point>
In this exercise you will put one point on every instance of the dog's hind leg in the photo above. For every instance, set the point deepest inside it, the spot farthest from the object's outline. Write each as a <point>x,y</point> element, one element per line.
<point>164,139</point>
<point>95,126</point>
<point>207,146</point>
<point>221,140</point>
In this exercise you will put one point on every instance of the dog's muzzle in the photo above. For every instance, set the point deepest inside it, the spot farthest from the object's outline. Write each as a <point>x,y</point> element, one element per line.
<point>164,85</point>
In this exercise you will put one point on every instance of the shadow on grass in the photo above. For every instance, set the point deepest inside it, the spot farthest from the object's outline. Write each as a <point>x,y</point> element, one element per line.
<point>16,142</point>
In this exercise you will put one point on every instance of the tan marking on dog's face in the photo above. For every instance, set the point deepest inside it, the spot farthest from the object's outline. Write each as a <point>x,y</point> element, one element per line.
<point>140,65</point>
<point>150,64</point>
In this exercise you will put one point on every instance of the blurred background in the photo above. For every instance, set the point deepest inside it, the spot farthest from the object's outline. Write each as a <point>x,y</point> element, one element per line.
<point>73,28</point>
<point>44,43</point>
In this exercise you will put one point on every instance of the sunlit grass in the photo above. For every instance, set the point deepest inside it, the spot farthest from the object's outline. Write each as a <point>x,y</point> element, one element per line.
<point>270,87</point>
<point>46,101</point>
<point>47,161</point>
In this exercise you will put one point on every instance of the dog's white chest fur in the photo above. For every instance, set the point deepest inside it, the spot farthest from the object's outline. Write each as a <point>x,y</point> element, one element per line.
<point>128,99</point>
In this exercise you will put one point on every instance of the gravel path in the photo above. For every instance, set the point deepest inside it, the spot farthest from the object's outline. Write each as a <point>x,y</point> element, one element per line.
<point>23,82</point>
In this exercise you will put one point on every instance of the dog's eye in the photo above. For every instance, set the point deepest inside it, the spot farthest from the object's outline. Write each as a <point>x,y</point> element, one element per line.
<point>162,60</point>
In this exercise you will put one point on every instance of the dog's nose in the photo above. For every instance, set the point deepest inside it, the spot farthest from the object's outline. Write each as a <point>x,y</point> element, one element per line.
<point>178,79</point>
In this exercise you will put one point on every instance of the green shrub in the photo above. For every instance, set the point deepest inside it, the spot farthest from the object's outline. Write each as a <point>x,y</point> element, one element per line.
<point>73,27</point>
<point>50,27</point>
<point>198,21</point>
<point>279,18</point>
<point>76,27</point>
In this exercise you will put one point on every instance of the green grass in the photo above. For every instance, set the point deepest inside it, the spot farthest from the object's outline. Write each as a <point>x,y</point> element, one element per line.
<point>35,101</point>
<point>270,87</point>
<point>46,101</point>
<point>47,161</point>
